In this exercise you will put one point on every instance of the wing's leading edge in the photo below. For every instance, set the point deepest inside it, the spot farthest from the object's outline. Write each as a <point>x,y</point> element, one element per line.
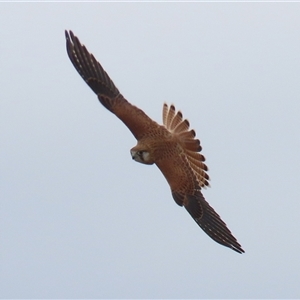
<point>98,80</point>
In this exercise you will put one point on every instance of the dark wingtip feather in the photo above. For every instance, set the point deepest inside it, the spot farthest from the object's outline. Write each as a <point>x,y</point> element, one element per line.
<point>89,68</point>
<point>211,222</point>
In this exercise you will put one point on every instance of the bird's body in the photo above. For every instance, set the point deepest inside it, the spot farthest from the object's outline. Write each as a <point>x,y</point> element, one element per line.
<point>171,146</point>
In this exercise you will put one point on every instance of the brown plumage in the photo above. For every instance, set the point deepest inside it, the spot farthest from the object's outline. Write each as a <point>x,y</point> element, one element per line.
<point>171,146</point>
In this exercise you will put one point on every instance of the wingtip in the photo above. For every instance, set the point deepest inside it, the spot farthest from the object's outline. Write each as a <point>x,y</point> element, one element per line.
<point>238,250</point>
<point>67,34</point>
<point>70,35</point>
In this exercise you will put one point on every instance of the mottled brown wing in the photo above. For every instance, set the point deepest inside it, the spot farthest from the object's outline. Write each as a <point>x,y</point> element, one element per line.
<point>97,79</point>
<point>186,192</point>
<point>206,217</point>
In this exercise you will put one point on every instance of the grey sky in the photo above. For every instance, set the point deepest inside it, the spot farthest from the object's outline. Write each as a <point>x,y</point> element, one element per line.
<point>80,219</point>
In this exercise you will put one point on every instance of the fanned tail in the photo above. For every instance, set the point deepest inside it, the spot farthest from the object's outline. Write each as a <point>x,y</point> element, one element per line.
<point>175,123</point>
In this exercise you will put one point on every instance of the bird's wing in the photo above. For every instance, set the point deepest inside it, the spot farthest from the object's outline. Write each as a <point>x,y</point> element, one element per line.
<point>97,79</point>
<point>186,192</point>
<point>185,172</point>
<point>206,217</point>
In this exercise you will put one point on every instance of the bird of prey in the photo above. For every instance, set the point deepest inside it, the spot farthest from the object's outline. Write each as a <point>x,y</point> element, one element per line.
<point>171,146</point>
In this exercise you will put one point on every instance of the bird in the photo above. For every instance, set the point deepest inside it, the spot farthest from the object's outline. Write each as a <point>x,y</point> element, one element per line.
<point>172,147</point>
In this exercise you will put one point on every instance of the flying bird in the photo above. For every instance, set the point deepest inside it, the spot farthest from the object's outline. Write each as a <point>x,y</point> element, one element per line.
<point>171,146</point>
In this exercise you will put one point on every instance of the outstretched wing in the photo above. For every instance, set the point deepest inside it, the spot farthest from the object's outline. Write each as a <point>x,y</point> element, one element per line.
<point>206,217</point>
<point>97,79</point>
<point>185,172</point>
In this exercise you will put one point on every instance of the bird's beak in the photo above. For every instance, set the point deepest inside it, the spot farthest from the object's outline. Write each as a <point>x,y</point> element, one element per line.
<point>133,154</point>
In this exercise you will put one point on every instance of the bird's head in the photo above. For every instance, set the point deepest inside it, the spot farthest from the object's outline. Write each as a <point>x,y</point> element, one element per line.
<point>142,155</point>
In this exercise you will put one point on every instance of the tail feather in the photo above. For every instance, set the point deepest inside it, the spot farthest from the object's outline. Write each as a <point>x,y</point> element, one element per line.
<point>195,155</point>
<point>183,126</point>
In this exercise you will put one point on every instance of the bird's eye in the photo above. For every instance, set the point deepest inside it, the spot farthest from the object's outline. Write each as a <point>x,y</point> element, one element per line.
<point>141,154</point>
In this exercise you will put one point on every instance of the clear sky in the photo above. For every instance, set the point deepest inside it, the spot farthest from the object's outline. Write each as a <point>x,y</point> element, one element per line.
<point>80,219</point>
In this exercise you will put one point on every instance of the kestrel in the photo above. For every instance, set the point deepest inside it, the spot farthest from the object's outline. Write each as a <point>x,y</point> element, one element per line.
<point>171,146</point>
